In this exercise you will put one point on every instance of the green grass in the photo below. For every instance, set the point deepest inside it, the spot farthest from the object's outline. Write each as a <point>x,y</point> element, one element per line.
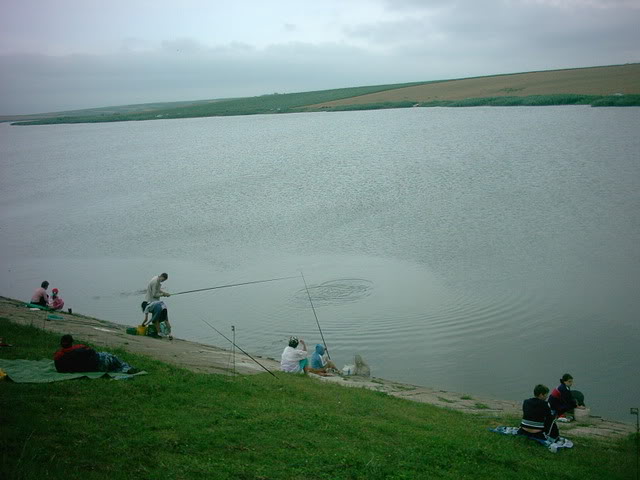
<point>274,103</point>
<point>299,102</point>
<point>541,101</point>
<point>176,424</point>
<point>508,101</point>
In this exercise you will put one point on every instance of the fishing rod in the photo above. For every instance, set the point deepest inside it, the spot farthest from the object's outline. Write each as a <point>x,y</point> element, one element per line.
<point>234,344</point>
<point>314,314</point>
<point>233,285</point>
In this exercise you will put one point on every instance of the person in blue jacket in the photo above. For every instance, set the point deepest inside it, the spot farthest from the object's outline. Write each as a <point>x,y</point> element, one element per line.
<point>319,363</point>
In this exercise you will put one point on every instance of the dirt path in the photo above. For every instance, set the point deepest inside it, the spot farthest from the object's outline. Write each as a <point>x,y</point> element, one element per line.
<point>209,359</point>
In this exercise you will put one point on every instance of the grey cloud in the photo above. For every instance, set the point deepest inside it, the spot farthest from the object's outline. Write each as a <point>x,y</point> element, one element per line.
<point>518,29</point>
<point>33,84</point>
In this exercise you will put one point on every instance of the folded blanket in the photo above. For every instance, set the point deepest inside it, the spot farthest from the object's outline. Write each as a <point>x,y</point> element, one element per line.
<point>44,371</point>
<point>551,444</point>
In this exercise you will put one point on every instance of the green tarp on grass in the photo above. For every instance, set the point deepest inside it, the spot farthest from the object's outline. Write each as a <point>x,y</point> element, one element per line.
<point>44,371</point>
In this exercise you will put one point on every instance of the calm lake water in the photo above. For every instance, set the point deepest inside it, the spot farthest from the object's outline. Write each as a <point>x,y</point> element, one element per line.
<point>480,250</point>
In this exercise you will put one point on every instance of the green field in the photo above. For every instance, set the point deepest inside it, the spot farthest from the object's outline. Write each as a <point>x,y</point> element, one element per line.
<point>613,86</point>
<point>176,424</point>
<point>264,104</point>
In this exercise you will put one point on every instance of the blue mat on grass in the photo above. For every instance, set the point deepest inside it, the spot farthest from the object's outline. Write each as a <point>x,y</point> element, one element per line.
<point>552,445</point>
<point>44,371</point>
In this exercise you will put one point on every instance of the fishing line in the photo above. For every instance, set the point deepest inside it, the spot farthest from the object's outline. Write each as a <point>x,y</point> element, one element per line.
<point>232,285</point>
<point>233,343</point>
<point>314,314</point>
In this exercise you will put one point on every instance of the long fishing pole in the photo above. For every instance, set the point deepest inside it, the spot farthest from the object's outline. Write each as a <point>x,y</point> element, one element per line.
<point>232,285</point>
<point>314,314</point>
<point>233,343</point>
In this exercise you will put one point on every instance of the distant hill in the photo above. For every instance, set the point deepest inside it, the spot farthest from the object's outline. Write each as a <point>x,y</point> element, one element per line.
<point>117,110</point>
<point>616,81</point>
<point>617,85</point>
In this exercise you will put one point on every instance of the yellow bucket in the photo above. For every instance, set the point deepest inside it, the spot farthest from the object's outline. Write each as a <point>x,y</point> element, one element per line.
<point>141,330</point>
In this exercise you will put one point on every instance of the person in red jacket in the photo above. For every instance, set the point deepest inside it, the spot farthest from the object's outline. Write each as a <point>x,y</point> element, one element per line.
<point>72,358</point>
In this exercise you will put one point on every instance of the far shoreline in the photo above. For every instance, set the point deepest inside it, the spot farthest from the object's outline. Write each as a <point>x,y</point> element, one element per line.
<point>597,86</point>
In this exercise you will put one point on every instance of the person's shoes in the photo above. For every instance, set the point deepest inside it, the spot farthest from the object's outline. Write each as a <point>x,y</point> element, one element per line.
<point>563,419</point>
<point>133,371</point>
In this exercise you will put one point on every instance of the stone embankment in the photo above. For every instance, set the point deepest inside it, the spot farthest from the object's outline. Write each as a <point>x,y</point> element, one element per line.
<point>203,358</point>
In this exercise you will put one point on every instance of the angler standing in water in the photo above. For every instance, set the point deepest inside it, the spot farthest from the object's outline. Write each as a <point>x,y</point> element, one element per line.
<point>154,289</point>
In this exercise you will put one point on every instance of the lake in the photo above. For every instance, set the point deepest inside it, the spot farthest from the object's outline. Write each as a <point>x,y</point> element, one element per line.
<point>479,250</point>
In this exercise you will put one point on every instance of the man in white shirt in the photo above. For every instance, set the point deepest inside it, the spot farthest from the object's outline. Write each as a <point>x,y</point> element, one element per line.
<point>154,290</point>
<point>294,360</point>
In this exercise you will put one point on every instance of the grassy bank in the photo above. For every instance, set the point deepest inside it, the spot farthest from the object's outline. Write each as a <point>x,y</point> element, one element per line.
<point>529,101</point>
<point>274,103</point>
<point>296,102</point>
<point>174,423</point>
<point>614,85</point>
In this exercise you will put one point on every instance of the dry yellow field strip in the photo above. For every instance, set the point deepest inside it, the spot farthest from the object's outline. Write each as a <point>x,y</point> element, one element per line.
<point>611,80</point>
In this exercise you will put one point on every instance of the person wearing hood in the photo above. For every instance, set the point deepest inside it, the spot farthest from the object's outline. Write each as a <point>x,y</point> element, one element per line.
<point>319,363</point>
<point>56,302</point>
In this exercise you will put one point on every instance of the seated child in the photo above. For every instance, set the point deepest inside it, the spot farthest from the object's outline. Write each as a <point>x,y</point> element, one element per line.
<point>56,302</point>
<point>537,420</point>
<point>563,400</point>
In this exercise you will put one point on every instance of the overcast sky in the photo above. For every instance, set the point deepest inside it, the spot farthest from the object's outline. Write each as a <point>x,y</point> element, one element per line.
<point>69,54</point>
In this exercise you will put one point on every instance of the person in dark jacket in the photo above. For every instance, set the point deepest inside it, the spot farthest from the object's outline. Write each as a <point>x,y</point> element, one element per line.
<point>537,420</point>
<point>562,400</point>
<point>72,358</point>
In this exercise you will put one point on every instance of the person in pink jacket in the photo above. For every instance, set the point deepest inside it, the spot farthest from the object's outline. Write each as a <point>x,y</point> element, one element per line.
<point>56,303</point>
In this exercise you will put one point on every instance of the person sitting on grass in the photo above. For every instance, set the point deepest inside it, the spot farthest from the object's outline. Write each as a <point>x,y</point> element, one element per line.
<point>294,360</point>
<point>563,400</point>
<point>537,420</point>
<point>72,358</point>
<point>56,302</point>
<point>40,296</point>
<point>318,363</point>
<point>159,317</point>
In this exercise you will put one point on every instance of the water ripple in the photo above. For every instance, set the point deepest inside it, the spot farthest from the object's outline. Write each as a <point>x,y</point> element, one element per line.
<point>336,292</point>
